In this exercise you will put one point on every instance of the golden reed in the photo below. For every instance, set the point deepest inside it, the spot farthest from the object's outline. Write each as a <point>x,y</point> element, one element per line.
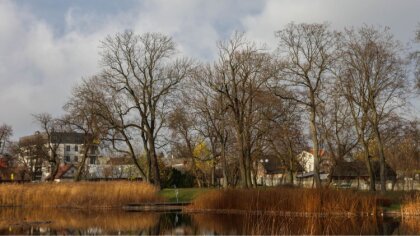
<point>287,200</point>
<point>77,195</point>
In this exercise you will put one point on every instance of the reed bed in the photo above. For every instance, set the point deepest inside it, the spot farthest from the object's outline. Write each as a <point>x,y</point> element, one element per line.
<point>411,205</point>
<point>287,200</point>
<point>77,195</point>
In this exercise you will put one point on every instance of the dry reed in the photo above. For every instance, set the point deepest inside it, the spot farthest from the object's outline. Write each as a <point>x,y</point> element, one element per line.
<point>76,195</point>
<point>287,200</point>
<point>411,205</point>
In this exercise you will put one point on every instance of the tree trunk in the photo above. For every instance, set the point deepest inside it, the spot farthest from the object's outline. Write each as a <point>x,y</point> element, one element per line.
<point>78,175</point>
<point>372,182</point>
<point>382,169</point>
<point>155,164</point>
<point>314,136</point>
<point>224,166</point>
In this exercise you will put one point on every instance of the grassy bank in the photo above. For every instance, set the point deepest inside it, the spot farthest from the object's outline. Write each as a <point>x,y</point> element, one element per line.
<point>77,195</point>
<point>316,201</point>
<point>184,194</point>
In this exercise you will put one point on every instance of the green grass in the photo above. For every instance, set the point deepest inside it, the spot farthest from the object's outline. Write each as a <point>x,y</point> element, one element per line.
<point>393,207</point>
<point>184,194</point>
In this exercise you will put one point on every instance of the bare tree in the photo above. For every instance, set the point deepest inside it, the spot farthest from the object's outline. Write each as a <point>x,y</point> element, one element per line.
<point>109,120</point>
<point>82,117</point>
<point>212,121</point>
<point>52,135</point>
<point>185,138</point>
<point>336,124</point>
<point>6,132</point>
<point>141,71</point>
<point>375,80</point>
<point>308,53</point>
<point>285,138</point>
<point>239,76</point>
<point>416,57</point>
<point>30,153</point>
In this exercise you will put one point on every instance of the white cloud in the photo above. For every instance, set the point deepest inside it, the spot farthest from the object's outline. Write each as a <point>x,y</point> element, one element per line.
<point>38,66</point>
<point>40,63</point>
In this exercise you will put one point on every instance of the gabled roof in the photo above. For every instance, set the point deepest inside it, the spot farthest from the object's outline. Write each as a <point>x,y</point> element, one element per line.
<point>273,165</point>
<point>358,169</point>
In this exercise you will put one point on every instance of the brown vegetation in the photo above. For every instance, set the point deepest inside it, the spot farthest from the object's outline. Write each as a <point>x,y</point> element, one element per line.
<point>287,201</point>
<point>76,195</point>
<point>411,205</point>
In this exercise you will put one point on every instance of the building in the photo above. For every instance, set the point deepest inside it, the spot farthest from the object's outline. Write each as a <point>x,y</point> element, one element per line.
<point>354,174</point>
<point>270,171</point>
<point>306,160</point>
<point>116,168</point>
<point>68,146</point>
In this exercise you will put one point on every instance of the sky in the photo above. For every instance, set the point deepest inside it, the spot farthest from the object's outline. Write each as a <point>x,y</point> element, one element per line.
<point>48,46</point>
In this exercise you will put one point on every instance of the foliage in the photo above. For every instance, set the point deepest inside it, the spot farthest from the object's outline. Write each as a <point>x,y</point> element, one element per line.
<point>175,178</point>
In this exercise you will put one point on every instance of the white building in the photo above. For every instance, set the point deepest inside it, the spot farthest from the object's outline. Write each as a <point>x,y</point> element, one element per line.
<point>69,147</point>
<point>306,160</point>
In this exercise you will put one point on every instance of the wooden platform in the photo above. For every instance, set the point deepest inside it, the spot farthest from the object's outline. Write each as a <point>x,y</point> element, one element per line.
<point>156,206</point>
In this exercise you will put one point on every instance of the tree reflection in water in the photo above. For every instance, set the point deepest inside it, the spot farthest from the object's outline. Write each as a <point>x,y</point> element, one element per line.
<point>71,221</point>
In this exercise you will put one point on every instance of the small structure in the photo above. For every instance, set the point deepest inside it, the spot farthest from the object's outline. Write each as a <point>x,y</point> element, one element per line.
<point>307,160</point>
<point>118,168</point>
<point>354,174</point>
<point>270,171</point>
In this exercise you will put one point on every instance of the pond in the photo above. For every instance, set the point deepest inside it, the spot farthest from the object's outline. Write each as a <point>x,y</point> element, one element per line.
<point>70,221</point>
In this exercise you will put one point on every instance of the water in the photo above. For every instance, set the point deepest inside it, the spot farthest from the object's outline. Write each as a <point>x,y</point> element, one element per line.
<point>70,221</point>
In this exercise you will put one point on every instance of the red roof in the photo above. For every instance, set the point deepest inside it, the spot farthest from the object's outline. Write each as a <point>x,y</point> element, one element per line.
<point>321,152</point>
<point>62,170</point>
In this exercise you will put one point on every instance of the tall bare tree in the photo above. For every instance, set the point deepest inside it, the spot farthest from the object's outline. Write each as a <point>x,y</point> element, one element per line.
<point>308,53</point>
<point>375,79</point>
<point>239,75</point>
<point>184,136</point>
<point>108,116</point>
<point>52,137</point>
<point>82,117</point>
<point>212,121</point>
<point>285,138</point>
<point>142,71</point>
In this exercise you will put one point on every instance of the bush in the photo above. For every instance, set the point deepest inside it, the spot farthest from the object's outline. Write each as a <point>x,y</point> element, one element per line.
<point>176,178</point>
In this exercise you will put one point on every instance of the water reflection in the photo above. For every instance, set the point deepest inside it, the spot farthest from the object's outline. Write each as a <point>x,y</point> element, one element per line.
<point>70,221</point>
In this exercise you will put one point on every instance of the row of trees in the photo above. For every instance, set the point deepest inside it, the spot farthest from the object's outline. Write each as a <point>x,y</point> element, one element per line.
<point>347,87</point>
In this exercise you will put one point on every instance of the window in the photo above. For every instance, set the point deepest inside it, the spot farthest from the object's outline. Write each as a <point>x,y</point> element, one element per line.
<point>67,159</point>
<point>68,148</point>
<point>76,148</point>
<point>76,159</point>
<point>92,160</point>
